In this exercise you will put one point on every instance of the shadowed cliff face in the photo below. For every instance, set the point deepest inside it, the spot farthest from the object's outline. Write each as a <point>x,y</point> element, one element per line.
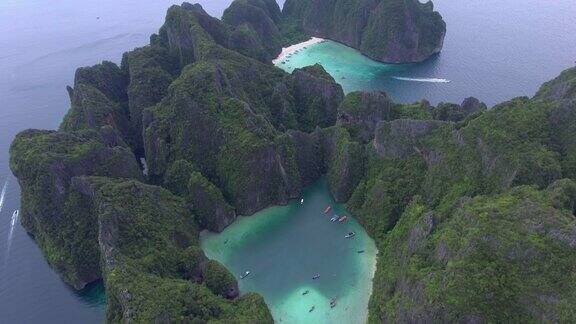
<point>255,24</point>
<point>228,134</point>
<point>392,31</point>
<point>449,200</point>
<point>45,163</point>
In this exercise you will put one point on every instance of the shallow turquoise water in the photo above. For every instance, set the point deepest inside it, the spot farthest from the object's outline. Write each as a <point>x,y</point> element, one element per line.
<point>285,246</point>
<point>494,50</point>
<point>349,67</point>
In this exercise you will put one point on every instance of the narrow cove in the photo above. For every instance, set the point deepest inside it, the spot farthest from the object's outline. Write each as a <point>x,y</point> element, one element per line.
<point>304,235</point>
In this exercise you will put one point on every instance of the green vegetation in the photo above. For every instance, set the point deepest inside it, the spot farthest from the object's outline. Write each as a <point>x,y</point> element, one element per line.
<point>492,258</point>
<point>220,280</point>
<point>149,244</point>
<point>256,25</point>
<point>455,222</point>
<point>395,31</point>
<point>472,209</point>
<point>45,162</point>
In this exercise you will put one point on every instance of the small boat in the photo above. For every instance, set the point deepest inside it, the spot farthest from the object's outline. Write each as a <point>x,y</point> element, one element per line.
<point>311,309</point>
<point>245,274</point>
<point>335,218</point>
<point>350,235</point>
<point>306,292</point>
<point>333,302</point>
<point>316,276</point>
<point>360,251</point>
<point>301,201</point>
<point>327,209</point>
<point>342,218</point>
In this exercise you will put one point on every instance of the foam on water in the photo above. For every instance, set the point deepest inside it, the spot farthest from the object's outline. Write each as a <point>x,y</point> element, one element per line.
<point>3,194</point>
<point>13,222</point>
<point>432,80</point>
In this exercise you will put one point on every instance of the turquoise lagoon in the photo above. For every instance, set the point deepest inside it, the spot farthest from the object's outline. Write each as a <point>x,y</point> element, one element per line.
<point>347,66</point>
<point>284,247</point>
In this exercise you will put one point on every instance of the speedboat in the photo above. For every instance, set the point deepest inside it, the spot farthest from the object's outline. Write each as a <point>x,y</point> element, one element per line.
<point>245,274</point>
<point>301,201</point>
<point>316,276</point>
<point>335,218</point>
<point>328,208</point>
<point>342,218</point>
<point>350,235</point>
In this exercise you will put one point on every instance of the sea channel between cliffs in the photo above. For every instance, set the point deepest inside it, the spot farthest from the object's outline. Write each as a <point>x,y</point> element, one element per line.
<point>302,232</point>
<point>284,247</point>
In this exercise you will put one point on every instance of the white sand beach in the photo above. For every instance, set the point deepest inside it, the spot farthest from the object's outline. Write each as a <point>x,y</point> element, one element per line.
<point>293,48</point>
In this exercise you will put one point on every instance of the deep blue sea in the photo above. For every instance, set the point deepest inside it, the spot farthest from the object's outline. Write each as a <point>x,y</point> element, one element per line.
<point>494,50</point>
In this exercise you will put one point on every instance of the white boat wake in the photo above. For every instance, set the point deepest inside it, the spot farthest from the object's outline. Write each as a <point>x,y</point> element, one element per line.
<point>430,80</point>
<point>13,222</point>
<point>3,195</point>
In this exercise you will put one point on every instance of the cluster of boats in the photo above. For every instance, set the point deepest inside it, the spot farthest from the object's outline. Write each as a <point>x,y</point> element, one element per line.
<point>340,219</point>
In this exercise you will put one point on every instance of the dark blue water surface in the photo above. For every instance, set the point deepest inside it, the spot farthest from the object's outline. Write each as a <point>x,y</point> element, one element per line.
<point>494,50</point>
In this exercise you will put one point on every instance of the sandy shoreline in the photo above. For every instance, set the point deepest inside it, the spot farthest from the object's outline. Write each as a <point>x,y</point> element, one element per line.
<point>296,47</point>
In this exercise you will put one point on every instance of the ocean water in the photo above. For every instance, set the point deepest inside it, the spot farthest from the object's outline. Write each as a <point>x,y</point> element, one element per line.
<point>41,45</point>
<point>284,247</point>
<point>494,50</point>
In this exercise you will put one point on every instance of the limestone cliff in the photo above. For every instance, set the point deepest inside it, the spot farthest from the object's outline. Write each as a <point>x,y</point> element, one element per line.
<point>468,206</point>
<point>393,31</point>
<point>45,162</point>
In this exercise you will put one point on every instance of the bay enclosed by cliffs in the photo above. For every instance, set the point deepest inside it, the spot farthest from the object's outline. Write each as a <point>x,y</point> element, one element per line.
<point>303,234</point>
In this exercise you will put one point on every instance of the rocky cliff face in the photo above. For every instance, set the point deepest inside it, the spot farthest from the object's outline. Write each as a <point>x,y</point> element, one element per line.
<point>45,162</point>
<point>99,99</point>
<point>255,24</point>
<point>460,200</point>
<point>148,243</point>
<point>307,99</point>
<point>415,199</point>
<point>361,112</point>
<point>393,31</point>
<point>469,263</point>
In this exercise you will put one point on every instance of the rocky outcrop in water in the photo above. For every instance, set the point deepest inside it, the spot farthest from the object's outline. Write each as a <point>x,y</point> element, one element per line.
<point>460,200</point>
<point>148,243</point>
<point>393,31</point>
<point>45,162</point>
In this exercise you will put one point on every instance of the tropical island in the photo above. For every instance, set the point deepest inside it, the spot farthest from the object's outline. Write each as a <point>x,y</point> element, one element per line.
<point>472,209</point>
